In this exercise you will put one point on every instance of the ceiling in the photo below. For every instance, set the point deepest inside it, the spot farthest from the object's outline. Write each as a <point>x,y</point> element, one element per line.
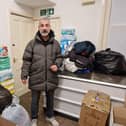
<point>35,3</point>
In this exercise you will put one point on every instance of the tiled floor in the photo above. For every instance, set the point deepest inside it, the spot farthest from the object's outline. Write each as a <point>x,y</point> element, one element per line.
<point>25,101</point>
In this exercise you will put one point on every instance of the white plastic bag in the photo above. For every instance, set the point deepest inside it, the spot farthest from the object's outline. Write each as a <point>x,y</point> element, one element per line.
<point>17,114</point>
<point>15,100</point>
<point>70,66</point>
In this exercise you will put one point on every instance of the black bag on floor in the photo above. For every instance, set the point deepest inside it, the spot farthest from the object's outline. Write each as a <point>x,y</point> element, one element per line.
<point>5,98</point>
<point>111,62</point>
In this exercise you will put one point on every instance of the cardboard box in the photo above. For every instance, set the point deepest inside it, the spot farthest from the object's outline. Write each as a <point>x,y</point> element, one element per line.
<point>116,124</point>
<point>125,101</point>
<point>111,121</point>
<point>95,109</point>
<point>4,122</point>
<point>119,115</point>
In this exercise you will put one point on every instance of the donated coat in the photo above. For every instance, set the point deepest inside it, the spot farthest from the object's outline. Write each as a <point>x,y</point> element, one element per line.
<point>38,56</point>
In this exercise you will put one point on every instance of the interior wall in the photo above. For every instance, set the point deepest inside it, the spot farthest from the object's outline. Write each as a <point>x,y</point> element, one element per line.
<point>7,6</point>
<point>117,27</point>
<point>86,19</point>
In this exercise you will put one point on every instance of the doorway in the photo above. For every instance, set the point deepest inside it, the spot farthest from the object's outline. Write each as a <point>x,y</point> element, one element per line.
<point>23,30</point>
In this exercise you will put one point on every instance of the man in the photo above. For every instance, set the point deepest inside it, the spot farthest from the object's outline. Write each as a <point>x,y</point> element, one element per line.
<point>41,61</point>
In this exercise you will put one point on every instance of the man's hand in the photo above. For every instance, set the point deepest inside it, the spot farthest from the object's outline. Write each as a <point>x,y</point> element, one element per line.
<point>54,68</point>
<point>24,81</point>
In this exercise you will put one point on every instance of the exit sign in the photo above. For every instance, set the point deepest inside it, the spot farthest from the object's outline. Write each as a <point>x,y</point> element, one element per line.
<point>47,12</point>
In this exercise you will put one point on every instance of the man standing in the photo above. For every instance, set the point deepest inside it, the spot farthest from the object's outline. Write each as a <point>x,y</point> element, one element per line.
<point>41,61</point>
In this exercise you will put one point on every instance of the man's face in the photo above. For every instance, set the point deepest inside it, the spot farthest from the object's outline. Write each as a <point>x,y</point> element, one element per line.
<point>44,27</point>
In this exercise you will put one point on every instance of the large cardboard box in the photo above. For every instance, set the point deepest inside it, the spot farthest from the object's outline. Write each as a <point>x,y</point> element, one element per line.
<point>95,109</point>
<point>112,123</point>
<point>119,115</point>
<point>4,122</point>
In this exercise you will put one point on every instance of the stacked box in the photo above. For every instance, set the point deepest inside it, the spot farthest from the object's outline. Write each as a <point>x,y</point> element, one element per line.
<point>95,109</point>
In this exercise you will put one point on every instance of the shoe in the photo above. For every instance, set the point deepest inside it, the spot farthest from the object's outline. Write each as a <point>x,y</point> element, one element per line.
<point>34,122</point>
<point>53,121</point>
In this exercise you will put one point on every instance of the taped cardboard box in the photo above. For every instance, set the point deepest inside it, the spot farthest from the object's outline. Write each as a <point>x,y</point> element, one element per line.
<point>95,109</point>
<point>4,122</point>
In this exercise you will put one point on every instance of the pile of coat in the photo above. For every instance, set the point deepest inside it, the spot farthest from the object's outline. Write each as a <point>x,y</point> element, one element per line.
<point>80,58</point>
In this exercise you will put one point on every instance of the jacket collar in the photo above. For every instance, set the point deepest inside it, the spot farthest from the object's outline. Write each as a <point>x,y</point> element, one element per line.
<point>39,38</point>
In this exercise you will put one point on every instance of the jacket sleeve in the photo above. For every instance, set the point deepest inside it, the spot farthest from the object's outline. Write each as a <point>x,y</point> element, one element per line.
<point>27,61</point>
<point>59,58</point>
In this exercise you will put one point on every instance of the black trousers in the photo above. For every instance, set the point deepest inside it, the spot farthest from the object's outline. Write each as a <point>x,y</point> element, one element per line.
<point>35,103</point>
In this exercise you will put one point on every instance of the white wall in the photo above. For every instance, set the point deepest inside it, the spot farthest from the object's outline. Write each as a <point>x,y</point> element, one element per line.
<point>86,19</point>
<point>6,6</point>
<point>117,27</point>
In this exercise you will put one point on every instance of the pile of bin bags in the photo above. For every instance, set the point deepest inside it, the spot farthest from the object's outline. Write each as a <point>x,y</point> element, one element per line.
<point>110,62</point>
<point>10,109</point>
<point>79,57</point>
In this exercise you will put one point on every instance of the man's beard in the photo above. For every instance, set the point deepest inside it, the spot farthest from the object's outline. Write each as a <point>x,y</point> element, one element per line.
<point>44,33</point>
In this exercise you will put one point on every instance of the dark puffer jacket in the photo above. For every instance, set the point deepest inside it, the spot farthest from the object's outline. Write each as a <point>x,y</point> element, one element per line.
<point>37,59</point>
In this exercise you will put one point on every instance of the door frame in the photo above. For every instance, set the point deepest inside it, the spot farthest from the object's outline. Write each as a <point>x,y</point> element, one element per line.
<point>11,12</point>
<point>22,91</point>
<point>104,26</point>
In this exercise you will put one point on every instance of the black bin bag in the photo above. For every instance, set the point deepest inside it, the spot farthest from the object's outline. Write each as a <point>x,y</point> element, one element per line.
<point>5,98</point>
<point>110,62</point>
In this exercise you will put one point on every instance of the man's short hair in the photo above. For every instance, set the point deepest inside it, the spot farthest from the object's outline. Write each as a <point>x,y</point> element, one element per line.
<point>45,18</point>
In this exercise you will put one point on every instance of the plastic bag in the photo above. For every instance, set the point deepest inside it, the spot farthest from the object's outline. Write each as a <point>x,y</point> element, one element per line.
<point>85,48</point>
<point>15,100</point>
<point>70,66</point>
<point>17,114</point>
<point>111,62</point>
<point>5,98</point>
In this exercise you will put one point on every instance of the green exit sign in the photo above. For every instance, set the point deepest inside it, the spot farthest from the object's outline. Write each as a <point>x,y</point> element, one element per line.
<point>47,12</point>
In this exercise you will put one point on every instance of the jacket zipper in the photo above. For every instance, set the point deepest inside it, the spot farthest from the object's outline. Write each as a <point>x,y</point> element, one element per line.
<point>46,67</point>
